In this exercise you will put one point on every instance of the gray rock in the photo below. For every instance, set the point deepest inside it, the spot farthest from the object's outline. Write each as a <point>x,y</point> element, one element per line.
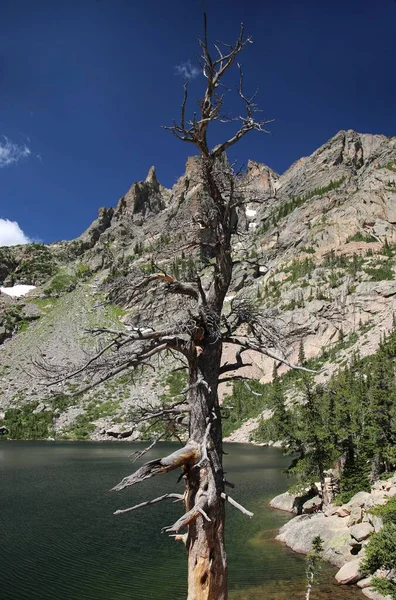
<point>358,500</point>
<point>349,573</point>
<point>364,583</point>
<point>371,593</point>
<point>300,531</point>
<point>361,531</point>
<point>284,501</point>
<point>355,516</point>
<point>40,408</point>
<point>312,505</point>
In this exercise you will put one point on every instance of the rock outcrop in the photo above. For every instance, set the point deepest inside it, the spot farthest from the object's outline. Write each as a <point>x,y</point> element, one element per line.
<point>317,248</point>
<point>345,530</point>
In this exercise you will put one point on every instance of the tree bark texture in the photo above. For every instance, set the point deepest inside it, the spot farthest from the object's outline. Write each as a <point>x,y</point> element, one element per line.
<point>207,564</point>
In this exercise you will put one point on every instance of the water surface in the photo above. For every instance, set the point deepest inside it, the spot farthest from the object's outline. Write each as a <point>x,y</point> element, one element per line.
<point>60,540</point>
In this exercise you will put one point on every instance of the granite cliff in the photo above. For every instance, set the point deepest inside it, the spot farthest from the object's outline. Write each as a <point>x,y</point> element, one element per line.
<point>316,244</point>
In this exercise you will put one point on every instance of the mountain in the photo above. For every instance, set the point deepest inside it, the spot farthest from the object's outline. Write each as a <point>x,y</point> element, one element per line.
<point>315,245</point>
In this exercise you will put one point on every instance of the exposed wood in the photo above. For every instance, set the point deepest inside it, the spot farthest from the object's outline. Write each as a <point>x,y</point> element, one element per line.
<point>189,454</point>
<point>237,505</point>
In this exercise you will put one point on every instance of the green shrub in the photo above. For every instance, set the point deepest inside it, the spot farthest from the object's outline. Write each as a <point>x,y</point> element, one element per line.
<point>61,282</point>
<point>23,424</point>
<point>383,272</point>
<point>80,429</point>
<point>361,237</point>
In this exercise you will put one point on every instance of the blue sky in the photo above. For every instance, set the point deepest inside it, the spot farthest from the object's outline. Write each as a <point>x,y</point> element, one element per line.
<point>87,84</point>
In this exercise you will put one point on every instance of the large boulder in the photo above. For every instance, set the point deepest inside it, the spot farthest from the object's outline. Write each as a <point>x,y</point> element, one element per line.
<point>349,573</point>
<point>284,501</point>
<point>358,499</point>
<point>300,531</point>
<point>361,531</point>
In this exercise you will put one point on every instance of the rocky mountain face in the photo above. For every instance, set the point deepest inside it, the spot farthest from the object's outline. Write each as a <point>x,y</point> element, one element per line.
<point>317,245</point>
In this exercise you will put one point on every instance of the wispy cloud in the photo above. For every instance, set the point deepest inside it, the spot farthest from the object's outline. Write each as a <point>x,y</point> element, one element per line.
<point>11,234</point>
<point>10,153</point>
<point>187,70</point>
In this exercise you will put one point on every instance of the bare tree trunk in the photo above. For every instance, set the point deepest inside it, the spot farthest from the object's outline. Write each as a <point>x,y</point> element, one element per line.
<point>207,565</point>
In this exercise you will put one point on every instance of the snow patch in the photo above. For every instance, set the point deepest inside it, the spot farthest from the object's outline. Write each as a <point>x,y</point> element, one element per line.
<point>16,291</point>
<point>252,225</point>
<point>250,212</point>
<point>229,298</point>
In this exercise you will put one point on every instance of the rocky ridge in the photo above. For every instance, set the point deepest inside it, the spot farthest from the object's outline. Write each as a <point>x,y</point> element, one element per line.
<point>317,244</point>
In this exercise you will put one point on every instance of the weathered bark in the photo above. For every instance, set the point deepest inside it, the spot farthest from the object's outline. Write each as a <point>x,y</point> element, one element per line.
<point>207,565</point>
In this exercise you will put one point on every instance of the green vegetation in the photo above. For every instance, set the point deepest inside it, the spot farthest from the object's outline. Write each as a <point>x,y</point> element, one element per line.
<point>182,268</point>
<point>60,283</point>
<point>299,268</point>
<point>36,265</point>
<point>242,404</point>
<point>382,272</point>
<point>295,201</point>
<point>388,249</point>
<point>175,382</point>
<point>361,237</point>
<point>80,429</point>
<point>313,563</point>
<point>351,264</point>
<point>352,418</point>
<point>381,549</point>
<point>97,410</point>
<point>308,249</point>
<point>23,424</point>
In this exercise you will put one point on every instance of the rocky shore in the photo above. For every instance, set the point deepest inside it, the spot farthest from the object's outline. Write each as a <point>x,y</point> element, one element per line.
<point>345,531</point>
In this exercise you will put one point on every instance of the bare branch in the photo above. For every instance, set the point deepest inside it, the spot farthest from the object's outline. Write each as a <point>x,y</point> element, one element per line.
<point>139,453</point>
<point>238,364</point>
<point>237,505</point>
<point>177,497</point>
<point>252,345</point>
<point>188,455</point>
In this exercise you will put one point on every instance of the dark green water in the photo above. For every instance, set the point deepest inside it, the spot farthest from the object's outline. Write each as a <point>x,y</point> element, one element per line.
<point>60,541</point>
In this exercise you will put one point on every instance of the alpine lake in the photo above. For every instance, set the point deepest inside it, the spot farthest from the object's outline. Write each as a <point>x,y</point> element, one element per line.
<point>61,541</point>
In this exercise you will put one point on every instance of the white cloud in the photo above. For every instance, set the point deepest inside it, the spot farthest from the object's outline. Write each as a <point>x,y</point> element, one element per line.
<point>11,234</point>
<point>11,153</point>
<point>187,70</point>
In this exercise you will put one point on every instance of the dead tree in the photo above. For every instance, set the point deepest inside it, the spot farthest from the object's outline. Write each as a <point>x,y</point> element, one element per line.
<point>198,338</point>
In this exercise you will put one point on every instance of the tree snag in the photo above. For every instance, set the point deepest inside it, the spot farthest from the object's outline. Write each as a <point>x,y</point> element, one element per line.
<point>197,339</point>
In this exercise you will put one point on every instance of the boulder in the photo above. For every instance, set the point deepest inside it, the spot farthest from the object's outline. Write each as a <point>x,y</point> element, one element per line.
<point>364,583</point>
<point>358,499</point>
<point>284,501</point>
<point>371,593</point>
<point>312,505</point>
<point>343,511</point>
<point>349,573</point>
<point>355,516</point>
<point>300,531</point>
<point>361,531</point>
